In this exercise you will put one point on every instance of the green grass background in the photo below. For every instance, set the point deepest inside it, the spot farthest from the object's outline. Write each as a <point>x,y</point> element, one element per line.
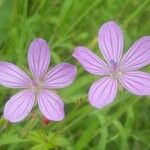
<point>65,24</point>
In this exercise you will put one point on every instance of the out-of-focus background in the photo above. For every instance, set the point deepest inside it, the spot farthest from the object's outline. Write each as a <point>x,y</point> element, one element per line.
<point>65,24</point>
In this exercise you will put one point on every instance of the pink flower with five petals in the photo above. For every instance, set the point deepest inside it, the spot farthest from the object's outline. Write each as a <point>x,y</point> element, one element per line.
<point>119,69</point>
<point>40,89</point>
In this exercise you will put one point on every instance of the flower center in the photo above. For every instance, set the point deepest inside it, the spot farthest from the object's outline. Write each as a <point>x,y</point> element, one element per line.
<point>37,87</point>
<point>115,70</point>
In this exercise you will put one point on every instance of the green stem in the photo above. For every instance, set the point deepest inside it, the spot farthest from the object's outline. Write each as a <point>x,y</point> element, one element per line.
<point>136,12</point>
<point>23,29</point>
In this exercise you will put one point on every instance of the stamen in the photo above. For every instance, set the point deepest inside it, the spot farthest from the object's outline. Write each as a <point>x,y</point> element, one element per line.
<point>114,64</point>
<point>37,87</point>
<point>115,71</point>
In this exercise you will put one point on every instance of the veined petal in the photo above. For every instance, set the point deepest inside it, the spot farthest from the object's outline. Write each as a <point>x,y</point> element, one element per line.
<point>60,76</point>
<point>110,40</point>
<point>90,61</point>
<point>38,58</point>
<point>13,77</point>
<point>138,55</point>
<point>103,92</point>
<point>136,82</point>
<point>19,106</point>
<point>51,105</point>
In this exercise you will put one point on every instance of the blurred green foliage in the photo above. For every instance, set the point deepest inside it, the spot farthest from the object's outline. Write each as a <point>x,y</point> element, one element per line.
<point>65,24</point>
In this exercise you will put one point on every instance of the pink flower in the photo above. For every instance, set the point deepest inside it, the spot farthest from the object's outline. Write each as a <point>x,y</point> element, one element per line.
<point>40,89</point>
<point>119,70</point>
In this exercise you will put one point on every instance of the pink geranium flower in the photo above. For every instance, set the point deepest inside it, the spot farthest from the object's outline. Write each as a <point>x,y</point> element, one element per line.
<point>119,70</point>
<point>40,89</point>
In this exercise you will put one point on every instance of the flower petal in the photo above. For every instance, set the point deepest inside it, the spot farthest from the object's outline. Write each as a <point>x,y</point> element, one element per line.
<point>90,61</point>
<point>19,106</point>
<point>103,92</point>
<point>60,76</point>
<point>138,55</point>
<point>13,77</point>
<point>51,105</point>
<point>136,82</point>
<point>110,40</point>
<point>38,58</point>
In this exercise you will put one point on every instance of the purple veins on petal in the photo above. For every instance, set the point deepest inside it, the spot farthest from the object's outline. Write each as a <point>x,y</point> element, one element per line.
<point>103,92</point>
<point>136,82</point>
<point>90,61</point>
<point>13,77</point>
<point>38,58</point>
<point>110,40</point>
<point>60,76</point>
<point>138,55</point>
<point>19,106</point>
<point>51,105</point>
